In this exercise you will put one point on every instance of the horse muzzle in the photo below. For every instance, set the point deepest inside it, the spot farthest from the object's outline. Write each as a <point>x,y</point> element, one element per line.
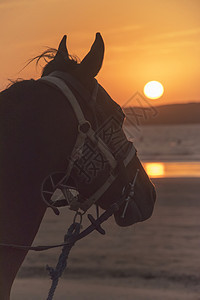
<point>141,203</point>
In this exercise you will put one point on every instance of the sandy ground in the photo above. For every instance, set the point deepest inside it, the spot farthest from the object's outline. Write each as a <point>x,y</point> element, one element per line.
<point>156,259</point>
<point>34,289</point>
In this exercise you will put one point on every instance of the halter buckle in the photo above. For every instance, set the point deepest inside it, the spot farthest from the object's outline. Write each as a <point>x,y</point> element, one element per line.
<point>84,127</point>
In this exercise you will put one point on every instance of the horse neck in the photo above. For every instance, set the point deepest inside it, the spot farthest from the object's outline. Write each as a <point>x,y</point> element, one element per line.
<point>37,133</point>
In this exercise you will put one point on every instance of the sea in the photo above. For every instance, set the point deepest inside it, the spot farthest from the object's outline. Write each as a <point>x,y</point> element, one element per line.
<point>176,147</point>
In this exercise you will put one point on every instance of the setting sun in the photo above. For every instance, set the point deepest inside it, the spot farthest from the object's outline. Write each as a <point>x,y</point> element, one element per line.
<point>153,89</point>
<point>155,169</point>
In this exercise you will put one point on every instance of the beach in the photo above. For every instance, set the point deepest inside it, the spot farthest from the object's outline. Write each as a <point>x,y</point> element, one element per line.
<point>156,259</point>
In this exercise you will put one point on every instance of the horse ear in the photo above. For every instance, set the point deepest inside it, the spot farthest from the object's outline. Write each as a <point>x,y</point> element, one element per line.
<point>92,62</point>
<point>62,48</point>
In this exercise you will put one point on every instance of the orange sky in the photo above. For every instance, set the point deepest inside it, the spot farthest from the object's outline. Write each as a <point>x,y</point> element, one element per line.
<point>145,40</point>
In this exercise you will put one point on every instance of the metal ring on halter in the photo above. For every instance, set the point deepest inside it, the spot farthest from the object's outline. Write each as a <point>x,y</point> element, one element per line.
<point>84,127</point>
<point>78,213</point>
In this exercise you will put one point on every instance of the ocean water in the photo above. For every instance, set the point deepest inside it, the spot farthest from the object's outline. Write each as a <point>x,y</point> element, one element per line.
<point>166,143</point>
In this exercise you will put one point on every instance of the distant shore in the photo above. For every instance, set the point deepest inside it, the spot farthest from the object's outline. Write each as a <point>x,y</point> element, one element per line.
<point>172,114</point>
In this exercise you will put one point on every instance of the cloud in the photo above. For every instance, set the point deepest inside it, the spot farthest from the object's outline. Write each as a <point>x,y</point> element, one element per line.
<point>158,46</point>
<point>122,29</point>
<point>169,41</point>
<point>177,34</point>
<point>11,3</point>
<point>162,42</point>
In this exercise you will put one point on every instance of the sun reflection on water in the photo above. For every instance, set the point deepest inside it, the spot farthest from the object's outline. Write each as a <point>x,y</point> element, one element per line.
<point>155,169</point>
<point>172,169</point>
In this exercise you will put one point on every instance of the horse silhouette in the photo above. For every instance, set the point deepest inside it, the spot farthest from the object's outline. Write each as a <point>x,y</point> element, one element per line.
<point>38,130</point>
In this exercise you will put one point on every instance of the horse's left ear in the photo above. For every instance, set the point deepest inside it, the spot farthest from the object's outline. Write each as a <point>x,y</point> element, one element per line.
<point>92,62</point>
<point>62,48</point>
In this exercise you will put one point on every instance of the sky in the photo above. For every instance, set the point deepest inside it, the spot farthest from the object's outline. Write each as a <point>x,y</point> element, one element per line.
<point>144,40</point>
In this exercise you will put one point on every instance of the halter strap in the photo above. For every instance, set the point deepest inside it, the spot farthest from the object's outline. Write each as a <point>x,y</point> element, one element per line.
<point>74,83</point>
<point>77,150</point>
<point>99,193</point>
<point>61,85</point>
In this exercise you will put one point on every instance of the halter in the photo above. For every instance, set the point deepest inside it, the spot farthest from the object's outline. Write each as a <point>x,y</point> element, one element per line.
<point>84,130</point>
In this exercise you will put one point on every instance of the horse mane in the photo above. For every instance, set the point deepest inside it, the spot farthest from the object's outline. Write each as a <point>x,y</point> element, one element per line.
<point>19,90</point>
<point>53,63</point>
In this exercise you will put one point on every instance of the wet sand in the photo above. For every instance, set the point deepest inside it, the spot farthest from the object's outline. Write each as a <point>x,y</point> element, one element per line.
<point>156,259</point>
<point>35,289</point>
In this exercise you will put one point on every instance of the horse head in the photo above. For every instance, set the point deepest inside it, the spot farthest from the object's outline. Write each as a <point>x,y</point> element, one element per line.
<point>92,169</point>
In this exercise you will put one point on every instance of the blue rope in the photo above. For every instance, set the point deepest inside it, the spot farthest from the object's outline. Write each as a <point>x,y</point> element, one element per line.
<point>56,273</point>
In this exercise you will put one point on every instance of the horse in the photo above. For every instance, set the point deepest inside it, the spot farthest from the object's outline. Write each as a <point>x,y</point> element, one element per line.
<point>38,131</point>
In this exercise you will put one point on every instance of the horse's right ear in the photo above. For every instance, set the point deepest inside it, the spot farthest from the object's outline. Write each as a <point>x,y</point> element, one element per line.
<point>92,62</point>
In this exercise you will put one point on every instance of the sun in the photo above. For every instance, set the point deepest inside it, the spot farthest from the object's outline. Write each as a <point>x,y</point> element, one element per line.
<point>153,89</point>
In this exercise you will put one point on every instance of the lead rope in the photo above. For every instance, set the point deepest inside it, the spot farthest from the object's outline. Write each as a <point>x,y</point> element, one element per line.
<point>74,231</point>
<point>70,238</point>
<point>56,273</point>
